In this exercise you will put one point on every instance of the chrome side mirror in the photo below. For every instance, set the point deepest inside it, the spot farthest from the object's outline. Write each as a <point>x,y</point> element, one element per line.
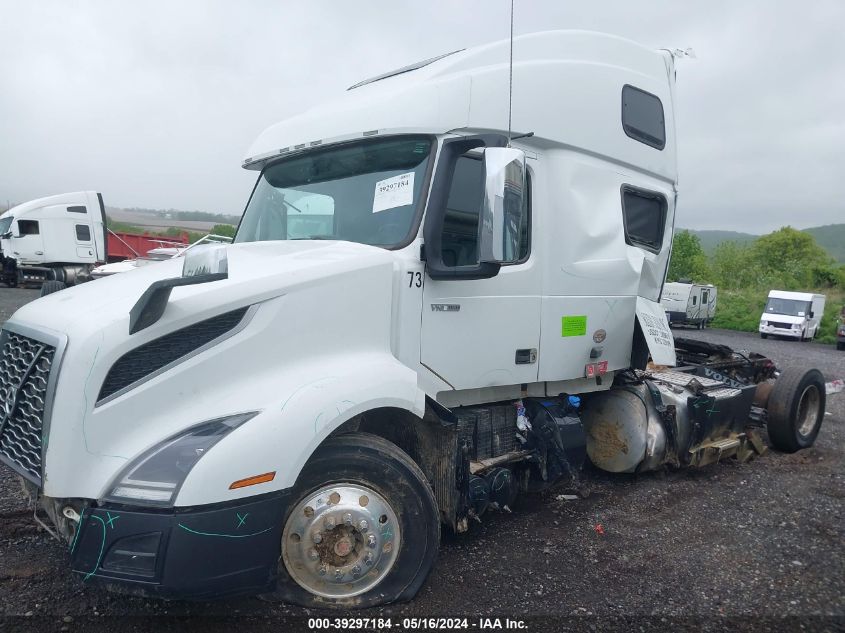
<point>502,209</point>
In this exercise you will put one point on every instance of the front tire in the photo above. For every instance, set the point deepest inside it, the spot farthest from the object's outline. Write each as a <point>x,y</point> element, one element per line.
<point>363,529</point>
<point>796,409</point>
<point>763,335</point>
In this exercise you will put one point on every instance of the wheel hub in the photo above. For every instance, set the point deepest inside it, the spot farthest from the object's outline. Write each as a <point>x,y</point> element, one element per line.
<point>340,541</point>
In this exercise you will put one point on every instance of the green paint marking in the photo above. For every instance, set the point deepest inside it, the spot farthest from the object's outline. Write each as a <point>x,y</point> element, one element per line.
<point>111,519</point>
<point>574,325</point>
<point>187,529</point>
<point>102,547</point>
<point>241,519</point>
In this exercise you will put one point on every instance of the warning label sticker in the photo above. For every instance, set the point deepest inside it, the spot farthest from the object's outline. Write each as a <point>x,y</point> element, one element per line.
<point>574,325</point>
<point>394,192</point>
<point>655,327</point>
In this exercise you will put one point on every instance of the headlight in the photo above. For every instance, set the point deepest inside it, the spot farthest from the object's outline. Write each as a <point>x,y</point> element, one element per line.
<point>764,323</point>
<point>154,478</point>
<point>796,326</point>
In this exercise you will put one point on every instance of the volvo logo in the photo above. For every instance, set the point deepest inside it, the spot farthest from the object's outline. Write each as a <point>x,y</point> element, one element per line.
<point>445,307</point>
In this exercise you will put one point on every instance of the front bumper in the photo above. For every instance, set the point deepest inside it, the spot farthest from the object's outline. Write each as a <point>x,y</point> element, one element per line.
<point>777,331</point>
<point>196,553</point>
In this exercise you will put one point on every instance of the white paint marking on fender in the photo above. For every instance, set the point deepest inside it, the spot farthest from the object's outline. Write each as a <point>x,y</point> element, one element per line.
<point>834,386</point>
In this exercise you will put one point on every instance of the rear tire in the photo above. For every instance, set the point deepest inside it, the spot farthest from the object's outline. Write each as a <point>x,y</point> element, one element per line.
<point>796,409</point>
<point>352,468</point>
<point>49,287</point>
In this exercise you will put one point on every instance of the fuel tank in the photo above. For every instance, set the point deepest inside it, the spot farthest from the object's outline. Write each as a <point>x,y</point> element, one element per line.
<point>662,417</point>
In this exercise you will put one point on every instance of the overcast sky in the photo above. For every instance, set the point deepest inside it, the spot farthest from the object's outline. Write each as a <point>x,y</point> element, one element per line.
<point>155,103</point>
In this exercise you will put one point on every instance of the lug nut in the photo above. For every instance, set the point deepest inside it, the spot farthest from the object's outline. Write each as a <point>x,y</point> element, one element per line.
<point>356,571</point>
<point>313,555</point>
<point>317,537</point>
<point>347,518</point>
<point>338,574</point>
<point>322,571</point>
<point>363,525</point>
<point>369,559</point>
<point>371,540</point>
<point>329,523</point>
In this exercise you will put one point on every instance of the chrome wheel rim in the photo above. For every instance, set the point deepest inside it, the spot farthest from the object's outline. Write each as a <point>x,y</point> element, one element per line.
<point>341,541</point>
<point>808,410</point>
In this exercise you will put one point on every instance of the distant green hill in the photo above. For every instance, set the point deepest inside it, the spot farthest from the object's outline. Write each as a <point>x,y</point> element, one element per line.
<point>830,236</point>
<point>710,239</point>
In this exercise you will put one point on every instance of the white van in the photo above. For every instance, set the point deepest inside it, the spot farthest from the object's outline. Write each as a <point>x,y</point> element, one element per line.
<point>689,304</point>
<point>792,314</point>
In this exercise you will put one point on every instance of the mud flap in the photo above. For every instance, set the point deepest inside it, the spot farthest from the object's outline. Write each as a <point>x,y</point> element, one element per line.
<point>655,328</point>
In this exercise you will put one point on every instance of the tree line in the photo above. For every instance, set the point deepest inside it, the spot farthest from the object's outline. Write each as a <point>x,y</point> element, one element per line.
<point>786,259</point>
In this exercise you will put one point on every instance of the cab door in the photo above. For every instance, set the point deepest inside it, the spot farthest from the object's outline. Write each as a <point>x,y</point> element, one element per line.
<point>27,241</point>
<point>482,332</point>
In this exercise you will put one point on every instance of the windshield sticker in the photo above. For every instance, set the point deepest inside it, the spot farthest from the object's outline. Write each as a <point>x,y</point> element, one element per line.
<point>394,192</point>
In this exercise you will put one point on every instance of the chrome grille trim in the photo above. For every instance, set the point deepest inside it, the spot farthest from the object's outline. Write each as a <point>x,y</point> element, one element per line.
<point>40,387</point>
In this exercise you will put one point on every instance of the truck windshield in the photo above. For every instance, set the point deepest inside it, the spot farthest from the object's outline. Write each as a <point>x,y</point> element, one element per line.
<point>789,307</point>
<point>366,192</point>
<point>5,223</point>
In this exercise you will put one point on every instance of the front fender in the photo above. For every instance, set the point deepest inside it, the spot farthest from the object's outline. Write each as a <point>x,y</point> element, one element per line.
<point>301,410</point>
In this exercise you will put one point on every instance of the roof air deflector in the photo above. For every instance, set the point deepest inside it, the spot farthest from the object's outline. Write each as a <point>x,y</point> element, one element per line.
<point>404,69</point>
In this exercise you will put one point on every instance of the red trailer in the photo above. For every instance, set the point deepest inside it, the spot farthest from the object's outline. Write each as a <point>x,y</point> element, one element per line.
<point>128,245</point>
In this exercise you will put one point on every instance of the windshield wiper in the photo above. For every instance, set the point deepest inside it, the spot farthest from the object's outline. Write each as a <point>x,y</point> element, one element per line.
<point>319,237</point>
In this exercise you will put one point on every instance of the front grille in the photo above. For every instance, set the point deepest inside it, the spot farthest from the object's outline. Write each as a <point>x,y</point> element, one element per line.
<point>149,358</point>
<point>24,374</point>
<point>783,326</point>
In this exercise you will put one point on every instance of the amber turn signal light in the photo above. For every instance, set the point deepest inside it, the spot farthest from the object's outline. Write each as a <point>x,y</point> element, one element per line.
<point>251,481</point>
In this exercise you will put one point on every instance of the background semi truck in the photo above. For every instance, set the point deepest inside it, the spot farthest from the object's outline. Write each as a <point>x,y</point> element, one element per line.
<point>465,314</point>
<point>57,241</point>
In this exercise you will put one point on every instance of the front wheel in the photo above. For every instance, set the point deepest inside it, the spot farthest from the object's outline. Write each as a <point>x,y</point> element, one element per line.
<point>796,409</point>
<point>840,346</point>
<point>763,335</point>
<point>363,530</point>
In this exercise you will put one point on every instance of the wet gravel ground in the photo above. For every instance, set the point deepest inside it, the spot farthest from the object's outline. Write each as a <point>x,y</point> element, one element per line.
<point>732,545</point>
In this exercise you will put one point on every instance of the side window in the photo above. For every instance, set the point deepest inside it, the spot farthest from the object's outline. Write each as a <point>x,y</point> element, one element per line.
<point>705,296</point>
<point>78,209</point>
<point>644,218</point>
<point>83,233</point>
<point>459,240</point>
<point>28,227</point>
<point>694,299</point>
<point>642,117</point>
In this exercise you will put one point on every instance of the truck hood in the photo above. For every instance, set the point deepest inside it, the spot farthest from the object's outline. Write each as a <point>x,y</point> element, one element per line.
<point>258,271</point>
<point>782,318</point>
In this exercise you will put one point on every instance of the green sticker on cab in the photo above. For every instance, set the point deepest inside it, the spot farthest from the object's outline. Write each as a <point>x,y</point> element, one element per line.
<point>574,325</point>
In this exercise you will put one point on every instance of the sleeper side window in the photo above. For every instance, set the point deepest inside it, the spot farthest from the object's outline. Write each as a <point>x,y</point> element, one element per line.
<point>644,218</point>
<point>642,117</point>
<point>28,227</point>
<point>83,233</point>
<point>459,240</point>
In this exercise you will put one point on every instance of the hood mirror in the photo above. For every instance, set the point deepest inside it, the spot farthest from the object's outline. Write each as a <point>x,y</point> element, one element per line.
<point>502,209</point>
<point>207,259</point>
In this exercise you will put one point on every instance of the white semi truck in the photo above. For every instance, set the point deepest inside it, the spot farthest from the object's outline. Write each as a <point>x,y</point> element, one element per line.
<point>419,320</point>
<point>57,238</point>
